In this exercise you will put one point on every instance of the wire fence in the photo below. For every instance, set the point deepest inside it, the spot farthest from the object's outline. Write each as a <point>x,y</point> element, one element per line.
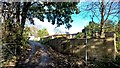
<point>7,50</point>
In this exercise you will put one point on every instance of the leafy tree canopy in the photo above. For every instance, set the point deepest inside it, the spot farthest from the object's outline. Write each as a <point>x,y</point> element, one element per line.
<point>56,12</point>
<point>93,27</point>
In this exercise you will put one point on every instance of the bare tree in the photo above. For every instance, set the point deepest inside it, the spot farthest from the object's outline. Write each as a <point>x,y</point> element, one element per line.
<point>102,10</point>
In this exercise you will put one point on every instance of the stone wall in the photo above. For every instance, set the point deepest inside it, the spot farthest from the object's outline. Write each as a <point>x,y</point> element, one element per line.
<point>97,49</point>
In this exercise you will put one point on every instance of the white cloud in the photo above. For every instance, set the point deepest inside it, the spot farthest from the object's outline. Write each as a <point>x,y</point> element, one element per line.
<point>44,24</point>
<point>74,29</point>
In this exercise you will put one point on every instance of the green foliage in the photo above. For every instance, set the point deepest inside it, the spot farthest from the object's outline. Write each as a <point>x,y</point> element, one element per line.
<point>101,11</point>
<point>109,27</point>
<point>10,32</point>
<point>80,35</point>
<point>56,12</point>
<point>118,42</point>
<point>9,38</point>
<point>43,32</point>
<point>91,29</point>
<point>14,32</point>
<point>12,45</point>
<point>25,35</point>
<point>117,31</point>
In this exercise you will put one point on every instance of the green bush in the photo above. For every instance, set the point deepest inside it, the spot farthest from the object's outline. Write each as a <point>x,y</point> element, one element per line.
<point>12,40</point>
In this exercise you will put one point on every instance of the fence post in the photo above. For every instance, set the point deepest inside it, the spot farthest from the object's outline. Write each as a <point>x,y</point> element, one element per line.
<point>86,53</point>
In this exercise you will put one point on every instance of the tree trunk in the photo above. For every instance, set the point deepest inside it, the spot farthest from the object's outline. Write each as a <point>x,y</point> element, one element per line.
<point>24,15</point>
<point>18,12</point>
<point>102,19</point>
<point>102,30</point>
<point>19,37</point>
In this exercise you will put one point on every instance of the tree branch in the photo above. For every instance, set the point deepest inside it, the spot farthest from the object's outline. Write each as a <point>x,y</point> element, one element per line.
<point>95,14</point>
<point>33,3</point>
<point>108,11</point>
<point>107,3</point>
<point>116,14</point>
